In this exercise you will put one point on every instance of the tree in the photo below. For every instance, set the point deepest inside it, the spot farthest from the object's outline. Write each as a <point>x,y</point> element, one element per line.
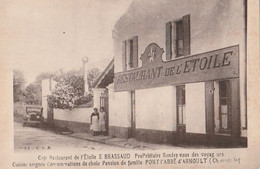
<point>33,93</point>
<point>69,90</point>
<point>18,85</point>
<point>93,74</point>
<point>43,76</point>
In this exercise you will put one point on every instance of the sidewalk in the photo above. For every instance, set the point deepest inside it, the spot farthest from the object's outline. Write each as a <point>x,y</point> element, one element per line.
<point>120,142</point>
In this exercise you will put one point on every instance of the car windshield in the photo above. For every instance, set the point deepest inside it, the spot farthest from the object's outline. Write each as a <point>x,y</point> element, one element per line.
<point>31,110</point>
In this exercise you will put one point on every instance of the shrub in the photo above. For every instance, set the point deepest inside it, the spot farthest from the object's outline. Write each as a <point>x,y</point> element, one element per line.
<point>69,90</point>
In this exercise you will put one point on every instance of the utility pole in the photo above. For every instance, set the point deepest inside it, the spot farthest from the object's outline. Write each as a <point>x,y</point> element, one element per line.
<point>85,75</point>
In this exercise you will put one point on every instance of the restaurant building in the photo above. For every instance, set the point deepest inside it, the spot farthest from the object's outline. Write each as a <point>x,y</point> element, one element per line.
<point>180,73</point>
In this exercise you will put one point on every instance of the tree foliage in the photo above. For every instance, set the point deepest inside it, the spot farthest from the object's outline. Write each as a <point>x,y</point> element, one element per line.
<point>33,94</point>
<point>18,85</point>
<point>43,76</point>
<point>69,90</point>
<point>93,74</point>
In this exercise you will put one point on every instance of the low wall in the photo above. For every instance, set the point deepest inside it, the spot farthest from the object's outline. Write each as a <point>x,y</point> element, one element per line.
<point>77,119</point>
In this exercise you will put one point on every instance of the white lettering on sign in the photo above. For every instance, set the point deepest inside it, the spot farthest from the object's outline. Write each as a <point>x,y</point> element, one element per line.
<point>218,64</point>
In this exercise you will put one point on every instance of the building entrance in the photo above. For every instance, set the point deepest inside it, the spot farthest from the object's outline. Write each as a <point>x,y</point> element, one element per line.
<point>133,119</point>
<point>104,105</point>
<point>222,111</point>
<point>181,113</point>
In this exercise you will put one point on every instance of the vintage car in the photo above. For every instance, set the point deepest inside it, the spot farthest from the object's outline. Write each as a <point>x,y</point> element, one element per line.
<point>33,116</point>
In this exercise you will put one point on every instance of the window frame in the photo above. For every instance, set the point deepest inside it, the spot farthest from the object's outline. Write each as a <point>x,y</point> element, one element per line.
<point>177,37</point>
<point>172,53</point>
<point>129,52</point>
<point>227,98</point>
<point>182,104</point>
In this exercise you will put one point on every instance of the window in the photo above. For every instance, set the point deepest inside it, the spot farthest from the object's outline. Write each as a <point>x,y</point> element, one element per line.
<point>130,53</point>
<point>180,90</point>
<point>224,108</point>
<point>178,38</point>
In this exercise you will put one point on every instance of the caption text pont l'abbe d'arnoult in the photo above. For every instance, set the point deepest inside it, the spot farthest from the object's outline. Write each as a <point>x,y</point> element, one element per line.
<point>127,159</point>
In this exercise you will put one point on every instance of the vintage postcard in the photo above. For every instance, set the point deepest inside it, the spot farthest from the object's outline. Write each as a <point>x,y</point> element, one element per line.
<point>129,84</point>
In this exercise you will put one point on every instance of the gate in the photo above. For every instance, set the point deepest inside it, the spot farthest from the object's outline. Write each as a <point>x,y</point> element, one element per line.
<point>104,104</point>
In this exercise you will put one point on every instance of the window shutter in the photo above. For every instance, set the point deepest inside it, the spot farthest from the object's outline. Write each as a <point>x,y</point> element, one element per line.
<point>124,55</point>
<point>186,40</point>
<point>135,51</point>
<point>174,37</point>
<point>127,54</point>
<point>168,41</point>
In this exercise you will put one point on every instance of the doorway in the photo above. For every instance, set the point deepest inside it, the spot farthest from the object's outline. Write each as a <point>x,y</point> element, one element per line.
<point>104,105</point>
<point>181,113</point>
<point>225,118</point>
<point>222,111</point>
<point>133,118</point>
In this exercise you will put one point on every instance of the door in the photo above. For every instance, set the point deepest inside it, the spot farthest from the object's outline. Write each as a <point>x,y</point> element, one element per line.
<point>104,105</point>
<point>181,113</point>
<point>222,111</point>
<point>228,108</point>
<point>209,101</point>
<point>133,119</point>
<point>225,118</point>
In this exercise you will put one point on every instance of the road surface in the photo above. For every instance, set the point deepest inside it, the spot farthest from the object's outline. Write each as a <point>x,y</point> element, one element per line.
<point>34,139</point>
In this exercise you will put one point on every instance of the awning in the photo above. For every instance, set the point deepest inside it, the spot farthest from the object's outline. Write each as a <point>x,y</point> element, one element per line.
<point>106,76</point>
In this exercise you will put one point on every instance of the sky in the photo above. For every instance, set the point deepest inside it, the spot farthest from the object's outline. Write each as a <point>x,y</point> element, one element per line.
<point>48,35</point>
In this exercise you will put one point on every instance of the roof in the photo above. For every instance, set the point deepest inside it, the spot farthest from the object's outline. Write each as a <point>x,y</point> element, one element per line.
<point>106,76</point>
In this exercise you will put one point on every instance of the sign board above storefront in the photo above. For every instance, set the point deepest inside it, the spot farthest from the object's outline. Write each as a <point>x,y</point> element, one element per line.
<point>213,65</point>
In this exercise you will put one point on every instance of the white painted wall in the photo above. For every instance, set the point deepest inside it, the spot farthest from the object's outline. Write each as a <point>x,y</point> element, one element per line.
<point>215,24</point>
<point>44,105</point>
<point>47,85</point>
<point>195,108</point>
<point>156,108</point>
<point>45,92</point>
<point>76,115</point>
<point>119,108</point>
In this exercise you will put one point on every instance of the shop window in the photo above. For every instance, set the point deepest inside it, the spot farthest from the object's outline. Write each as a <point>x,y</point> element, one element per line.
<point>178,38</point>
<point>130,53</point>
<point>181,105</point>
<point>225,120</point>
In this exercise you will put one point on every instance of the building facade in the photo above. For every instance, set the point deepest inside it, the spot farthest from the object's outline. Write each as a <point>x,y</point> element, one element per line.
<point>180,73</point>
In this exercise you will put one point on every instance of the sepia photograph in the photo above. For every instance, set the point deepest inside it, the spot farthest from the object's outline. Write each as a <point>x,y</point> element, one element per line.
<point>137,76</point>
<point>176,76</point>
